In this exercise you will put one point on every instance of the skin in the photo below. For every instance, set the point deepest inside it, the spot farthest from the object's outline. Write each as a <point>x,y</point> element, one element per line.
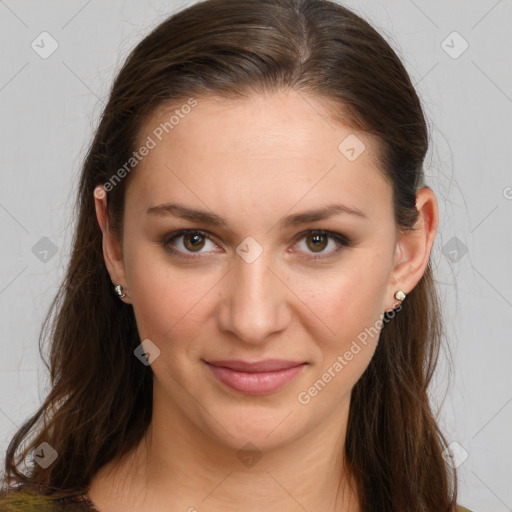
<point>253,162</point>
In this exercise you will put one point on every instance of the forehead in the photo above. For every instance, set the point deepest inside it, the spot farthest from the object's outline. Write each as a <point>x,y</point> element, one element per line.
<point>277,147</point>
<point>286,123</point>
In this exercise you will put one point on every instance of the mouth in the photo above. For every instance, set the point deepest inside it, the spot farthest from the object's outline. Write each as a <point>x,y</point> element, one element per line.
<point>256,378</point>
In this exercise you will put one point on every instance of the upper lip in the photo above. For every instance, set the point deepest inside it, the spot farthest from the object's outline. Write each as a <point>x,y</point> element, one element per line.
<point>267,365</point>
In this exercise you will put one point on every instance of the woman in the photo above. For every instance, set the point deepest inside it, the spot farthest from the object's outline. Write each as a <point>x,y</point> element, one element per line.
<point>249,317</point>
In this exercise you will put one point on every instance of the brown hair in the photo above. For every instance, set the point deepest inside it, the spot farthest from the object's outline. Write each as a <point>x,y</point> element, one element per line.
<point>100,403</point>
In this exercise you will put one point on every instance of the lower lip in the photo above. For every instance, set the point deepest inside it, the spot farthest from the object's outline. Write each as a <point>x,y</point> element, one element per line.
<point>258,383</point>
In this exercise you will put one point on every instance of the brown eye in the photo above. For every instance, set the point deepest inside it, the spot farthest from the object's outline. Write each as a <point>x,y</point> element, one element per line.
<point>181,243</point>
<point>318,242</point>
<point>193,241</point>
<point>186,242</point>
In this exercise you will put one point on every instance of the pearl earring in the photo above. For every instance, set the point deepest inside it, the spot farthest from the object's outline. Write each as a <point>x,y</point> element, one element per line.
<point>400,295</point>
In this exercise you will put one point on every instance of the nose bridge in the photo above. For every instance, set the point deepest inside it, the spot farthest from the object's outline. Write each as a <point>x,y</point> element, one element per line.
<point>255,305</point>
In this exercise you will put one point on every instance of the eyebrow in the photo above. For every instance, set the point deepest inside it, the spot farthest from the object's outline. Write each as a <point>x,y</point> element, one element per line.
<point>178,210</point>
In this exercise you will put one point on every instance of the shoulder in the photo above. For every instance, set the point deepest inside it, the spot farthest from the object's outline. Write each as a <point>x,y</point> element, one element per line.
<point>463,509</point>
<point>14,500</point>
<point>23,500</point>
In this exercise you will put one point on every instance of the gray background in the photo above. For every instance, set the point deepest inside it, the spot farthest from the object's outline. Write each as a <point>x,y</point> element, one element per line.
<point>50,107</point>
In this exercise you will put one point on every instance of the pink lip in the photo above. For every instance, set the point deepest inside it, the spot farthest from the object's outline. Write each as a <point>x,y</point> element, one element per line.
<point>255,378</point>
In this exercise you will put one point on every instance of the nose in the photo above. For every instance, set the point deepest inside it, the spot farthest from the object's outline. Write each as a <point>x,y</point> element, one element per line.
<point>254,301</point>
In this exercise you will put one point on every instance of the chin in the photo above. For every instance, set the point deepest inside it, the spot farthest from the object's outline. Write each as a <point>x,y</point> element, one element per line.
<point>265,427</point>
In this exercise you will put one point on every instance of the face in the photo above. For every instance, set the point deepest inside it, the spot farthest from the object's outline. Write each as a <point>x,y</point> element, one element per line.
<point>254,279</point>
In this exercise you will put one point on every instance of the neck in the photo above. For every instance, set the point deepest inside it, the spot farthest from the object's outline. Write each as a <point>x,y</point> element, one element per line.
<point>177,464</point>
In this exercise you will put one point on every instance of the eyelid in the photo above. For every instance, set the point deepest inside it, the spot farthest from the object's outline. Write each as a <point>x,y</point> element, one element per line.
<point>340,239</point>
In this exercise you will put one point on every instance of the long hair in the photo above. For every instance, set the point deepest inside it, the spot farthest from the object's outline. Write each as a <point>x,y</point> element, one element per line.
<point>100,402</point>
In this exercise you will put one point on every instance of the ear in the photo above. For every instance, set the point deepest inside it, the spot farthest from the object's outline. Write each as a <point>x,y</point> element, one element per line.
<point>112,250</point>
<point>414,247</point>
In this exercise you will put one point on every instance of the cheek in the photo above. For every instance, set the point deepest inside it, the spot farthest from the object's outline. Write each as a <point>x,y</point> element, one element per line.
<point>347,321</point>
<point>345,336</point>
<point>344,302</point>
<point>169,304</point>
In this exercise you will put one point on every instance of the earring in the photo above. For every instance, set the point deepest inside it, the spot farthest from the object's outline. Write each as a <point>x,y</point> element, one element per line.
<point>400,295</point>
<point>119,290</point>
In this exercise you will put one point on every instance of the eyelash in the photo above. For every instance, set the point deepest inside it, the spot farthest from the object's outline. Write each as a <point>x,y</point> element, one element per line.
<point>341,240</point>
